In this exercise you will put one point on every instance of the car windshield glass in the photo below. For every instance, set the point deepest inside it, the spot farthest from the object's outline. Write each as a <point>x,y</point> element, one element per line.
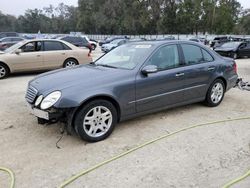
<point>231,44</point>
<point>15,46</point>
<point>115,41</point>
<point>126,56</point>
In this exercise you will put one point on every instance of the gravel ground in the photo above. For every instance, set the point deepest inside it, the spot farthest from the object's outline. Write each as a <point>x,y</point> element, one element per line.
<point>204,157</point>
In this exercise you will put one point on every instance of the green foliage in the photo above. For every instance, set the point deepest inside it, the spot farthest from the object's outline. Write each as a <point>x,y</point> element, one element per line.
<point>133,17</point>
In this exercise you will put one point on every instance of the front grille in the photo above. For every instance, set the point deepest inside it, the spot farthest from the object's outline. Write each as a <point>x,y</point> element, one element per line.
<point>31,94</point>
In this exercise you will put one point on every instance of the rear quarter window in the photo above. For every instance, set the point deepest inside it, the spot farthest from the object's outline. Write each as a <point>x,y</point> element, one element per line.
<point>206,56</point>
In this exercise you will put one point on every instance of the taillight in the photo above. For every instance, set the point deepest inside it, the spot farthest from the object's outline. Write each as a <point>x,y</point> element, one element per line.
<point>235,67</point>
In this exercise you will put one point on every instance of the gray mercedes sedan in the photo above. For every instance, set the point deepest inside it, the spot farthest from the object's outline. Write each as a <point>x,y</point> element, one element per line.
<point>131,80</point>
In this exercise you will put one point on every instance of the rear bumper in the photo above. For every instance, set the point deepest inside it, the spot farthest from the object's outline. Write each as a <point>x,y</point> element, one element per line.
<point>232,82</point>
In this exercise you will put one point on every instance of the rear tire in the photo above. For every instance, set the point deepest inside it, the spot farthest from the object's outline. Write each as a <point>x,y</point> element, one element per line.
<point>4,71</point>
<point>96,120</point>
<point>68,63</point>
<point>215,93</point>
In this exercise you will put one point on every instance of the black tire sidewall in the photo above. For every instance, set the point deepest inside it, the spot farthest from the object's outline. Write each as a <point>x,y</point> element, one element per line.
<point>209,101</point>
<point>93,47</point>
<point>80,115</point>
<point>7,71</point>
<point>67,60</point>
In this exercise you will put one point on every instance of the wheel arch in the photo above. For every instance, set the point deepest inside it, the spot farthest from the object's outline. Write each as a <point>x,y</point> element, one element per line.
<point>1,62</point>
<point>224,81</point>
<point>98,97</point>
<point>68,58</point>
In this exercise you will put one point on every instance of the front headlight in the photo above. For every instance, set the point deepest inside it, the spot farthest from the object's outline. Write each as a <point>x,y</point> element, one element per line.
<point>50,100</point>
<point>39,100</point>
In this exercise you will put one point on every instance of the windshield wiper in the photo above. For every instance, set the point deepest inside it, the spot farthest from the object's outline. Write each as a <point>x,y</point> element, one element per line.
<point>106,65</point>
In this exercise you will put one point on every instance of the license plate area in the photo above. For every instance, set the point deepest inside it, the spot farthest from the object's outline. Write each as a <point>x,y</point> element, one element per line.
<point>40,113</point>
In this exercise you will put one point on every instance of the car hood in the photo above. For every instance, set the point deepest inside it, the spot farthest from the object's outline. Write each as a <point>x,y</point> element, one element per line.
<point>224,49</point>
<point>109,45</point>
<point>88,76</point>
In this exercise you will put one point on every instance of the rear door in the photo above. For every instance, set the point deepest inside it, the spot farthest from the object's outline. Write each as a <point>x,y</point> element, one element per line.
<point>55,53</point>
<point>199,69</point>
<point>164,88</point>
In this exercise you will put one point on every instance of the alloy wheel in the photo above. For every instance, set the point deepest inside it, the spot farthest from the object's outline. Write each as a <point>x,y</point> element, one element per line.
<point>2,71</point>
<point>97,121</point>
<point>217,93</point>
<point>70,64</point>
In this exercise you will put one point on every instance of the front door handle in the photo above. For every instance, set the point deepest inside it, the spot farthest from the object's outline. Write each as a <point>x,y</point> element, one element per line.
<point>63,53</point>
<point>179,74</point>
<point>211,68</point>
<point>38,55</point>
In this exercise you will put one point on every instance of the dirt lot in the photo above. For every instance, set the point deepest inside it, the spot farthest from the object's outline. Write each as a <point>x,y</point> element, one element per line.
<point>205,157</point>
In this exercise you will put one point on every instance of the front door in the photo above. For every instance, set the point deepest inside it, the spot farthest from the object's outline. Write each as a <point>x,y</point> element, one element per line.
<point>30,58</point>
<point>163,88</point>
<point>244,50</point>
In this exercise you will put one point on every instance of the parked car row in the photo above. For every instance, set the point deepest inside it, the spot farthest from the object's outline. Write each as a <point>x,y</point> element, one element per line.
<point>41,54</point>
<point>7,42</point>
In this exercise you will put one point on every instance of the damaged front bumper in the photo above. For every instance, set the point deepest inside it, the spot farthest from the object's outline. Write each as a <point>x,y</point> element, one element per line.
<point>51,115</point>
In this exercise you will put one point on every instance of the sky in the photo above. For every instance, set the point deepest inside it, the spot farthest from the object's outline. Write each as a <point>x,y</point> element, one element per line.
<point>18,7</point>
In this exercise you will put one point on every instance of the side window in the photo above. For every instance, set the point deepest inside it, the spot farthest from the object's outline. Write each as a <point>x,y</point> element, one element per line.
<point>192,54</point>
<point>206,56</point>
<point>85,40</point>
<point>52,46</point>
<point>32,47</point>
<point>166,57</point>
<point>29,47</point>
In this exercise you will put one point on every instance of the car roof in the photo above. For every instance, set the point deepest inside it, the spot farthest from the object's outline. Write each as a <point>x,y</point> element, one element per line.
<point>161,42</point>
<point>56,40</point>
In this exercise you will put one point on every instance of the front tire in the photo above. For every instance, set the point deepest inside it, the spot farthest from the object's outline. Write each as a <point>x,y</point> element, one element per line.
<point>215,93</point>
<point>4,71</point>
<point>96,120</point>
<point>93,47</point>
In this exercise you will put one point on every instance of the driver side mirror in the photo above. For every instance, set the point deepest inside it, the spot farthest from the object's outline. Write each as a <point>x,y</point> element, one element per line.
<point>18,51</point>
<point>149,69</point>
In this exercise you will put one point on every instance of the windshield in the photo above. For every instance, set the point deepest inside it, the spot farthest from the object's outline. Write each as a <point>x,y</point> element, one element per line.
<point>125,56</point>
<point>116,41</point>
<point>14,47</point>
<point>231,44</point>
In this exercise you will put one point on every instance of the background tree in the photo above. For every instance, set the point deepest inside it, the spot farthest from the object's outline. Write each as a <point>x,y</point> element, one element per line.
<point>134,17</point>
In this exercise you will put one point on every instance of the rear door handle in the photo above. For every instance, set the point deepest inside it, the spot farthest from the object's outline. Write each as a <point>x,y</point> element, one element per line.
<point>63,53</point>
<point>38,55</point>
<point>179,74</point>
<point>211,68</point>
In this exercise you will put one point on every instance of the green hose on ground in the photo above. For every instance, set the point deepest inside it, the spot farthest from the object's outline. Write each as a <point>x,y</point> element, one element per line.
<point>11,174</point>
<point>73,178</point>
